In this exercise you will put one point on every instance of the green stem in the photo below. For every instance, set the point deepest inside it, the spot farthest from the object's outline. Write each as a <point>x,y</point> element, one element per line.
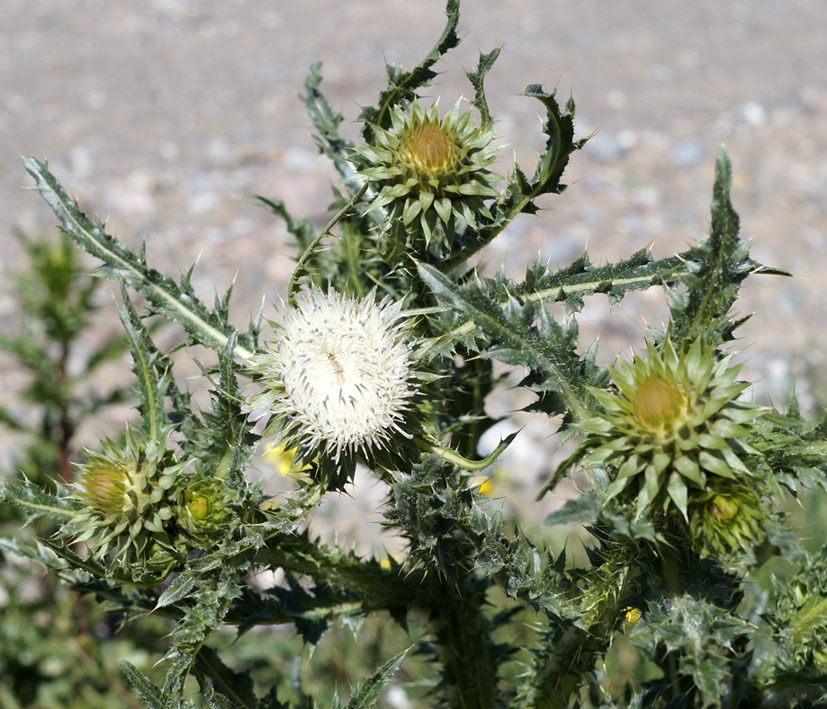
<point>350,244</point>
<point>308,252</point>
<point>463,255</point>
<point>460,461</point>
<point>469,662</point>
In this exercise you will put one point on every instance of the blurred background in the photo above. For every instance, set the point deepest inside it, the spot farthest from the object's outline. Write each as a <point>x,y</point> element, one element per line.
<point>161,115</point>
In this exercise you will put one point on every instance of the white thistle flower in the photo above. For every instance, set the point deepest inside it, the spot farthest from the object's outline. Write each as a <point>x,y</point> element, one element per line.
<point>337,374</point>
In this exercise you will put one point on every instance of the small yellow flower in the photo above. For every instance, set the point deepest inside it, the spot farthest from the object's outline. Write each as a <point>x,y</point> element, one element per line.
<point>631,615</point>
<point>282,460</point>
<point>487,487</point>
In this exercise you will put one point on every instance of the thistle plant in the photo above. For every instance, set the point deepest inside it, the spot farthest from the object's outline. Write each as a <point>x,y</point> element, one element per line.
<point>381,359</point>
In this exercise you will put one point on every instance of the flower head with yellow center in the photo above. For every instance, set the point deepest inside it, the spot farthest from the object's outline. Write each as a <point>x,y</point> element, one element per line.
<point>430,169</point>
<point>337,377</point>
<point>673,432</point>
<point>127,489</point>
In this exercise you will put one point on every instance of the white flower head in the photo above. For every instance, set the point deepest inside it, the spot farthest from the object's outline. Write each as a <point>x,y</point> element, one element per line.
<point>338,373</point>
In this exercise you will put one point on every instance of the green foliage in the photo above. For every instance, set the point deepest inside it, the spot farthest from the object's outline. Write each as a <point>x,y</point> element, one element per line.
<point>683,482</point>
<point>56,650</point>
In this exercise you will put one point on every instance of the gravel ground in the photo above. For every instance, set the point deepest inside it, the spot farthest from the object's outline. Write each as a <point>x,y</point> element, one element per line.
<point>161,114</point>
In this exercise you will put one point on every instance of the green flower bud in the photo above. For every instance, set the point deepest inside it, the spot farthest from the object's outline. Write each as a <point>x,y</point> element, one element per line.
<point>724,508</point>
<point>205,507</point>
<point>198,508</point>
<point>127,489</point>
<point>721,522</point>
<point>673,429</point>
<point>430,169</point>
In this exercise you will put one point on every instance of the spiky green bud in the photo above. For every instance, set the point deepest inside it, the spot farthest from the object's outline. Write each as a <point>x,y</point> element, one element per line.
<point>430,169</point>
<point>674,432</point>
<point>128,489</point>
<point>204,507</point>
<point>727,520</point>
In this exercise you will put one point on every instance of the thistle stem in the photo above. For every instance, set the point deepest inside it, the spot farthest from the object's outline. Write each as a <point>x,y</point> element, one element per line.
<point>460,461</point>
<point>311,247</point>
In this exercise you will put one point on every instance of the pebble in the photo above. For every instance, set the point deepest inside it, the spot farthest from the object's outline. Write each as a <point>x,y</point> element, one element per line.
<point>605,147</point>
<point>132,195</point>
<point>752,113</point>
<point>299,160</point>
<point>202,202</point>
<point>81,161</point>
<point>686,154</point>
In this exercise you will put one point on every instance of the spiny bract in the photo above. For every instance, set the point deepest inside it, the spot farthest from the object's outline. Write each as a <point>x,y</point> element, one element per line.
<point>673,431</point>
<point>337,375</point>
<point>429,167</point>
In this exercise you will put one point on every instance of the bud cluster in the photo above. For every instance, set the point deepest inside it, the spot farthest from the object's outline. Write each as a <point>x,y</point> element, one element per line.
<point>142,512</point>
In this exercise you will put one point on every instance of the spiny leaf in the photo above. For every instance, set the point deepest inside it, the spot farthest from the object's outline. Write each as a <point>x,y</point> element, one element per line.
<point>326,121</point>
<point>559,666</point>
<point>477,79</point>
<point>36,502</point>
<point>367,691</point>
<point>580,278</point>
<point>546,349</point>
<point>176,591</point>
<point>224,441</point>
<point>402,85</point>
<point>703,638</point>
<point>150,694</point>
<point>585,508</point>
<point>151,387</point>
<point>236,687</point>
<point>719,264</point>
<point>522,191</point>
<point>178,303</point>
<point>206,614</point>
